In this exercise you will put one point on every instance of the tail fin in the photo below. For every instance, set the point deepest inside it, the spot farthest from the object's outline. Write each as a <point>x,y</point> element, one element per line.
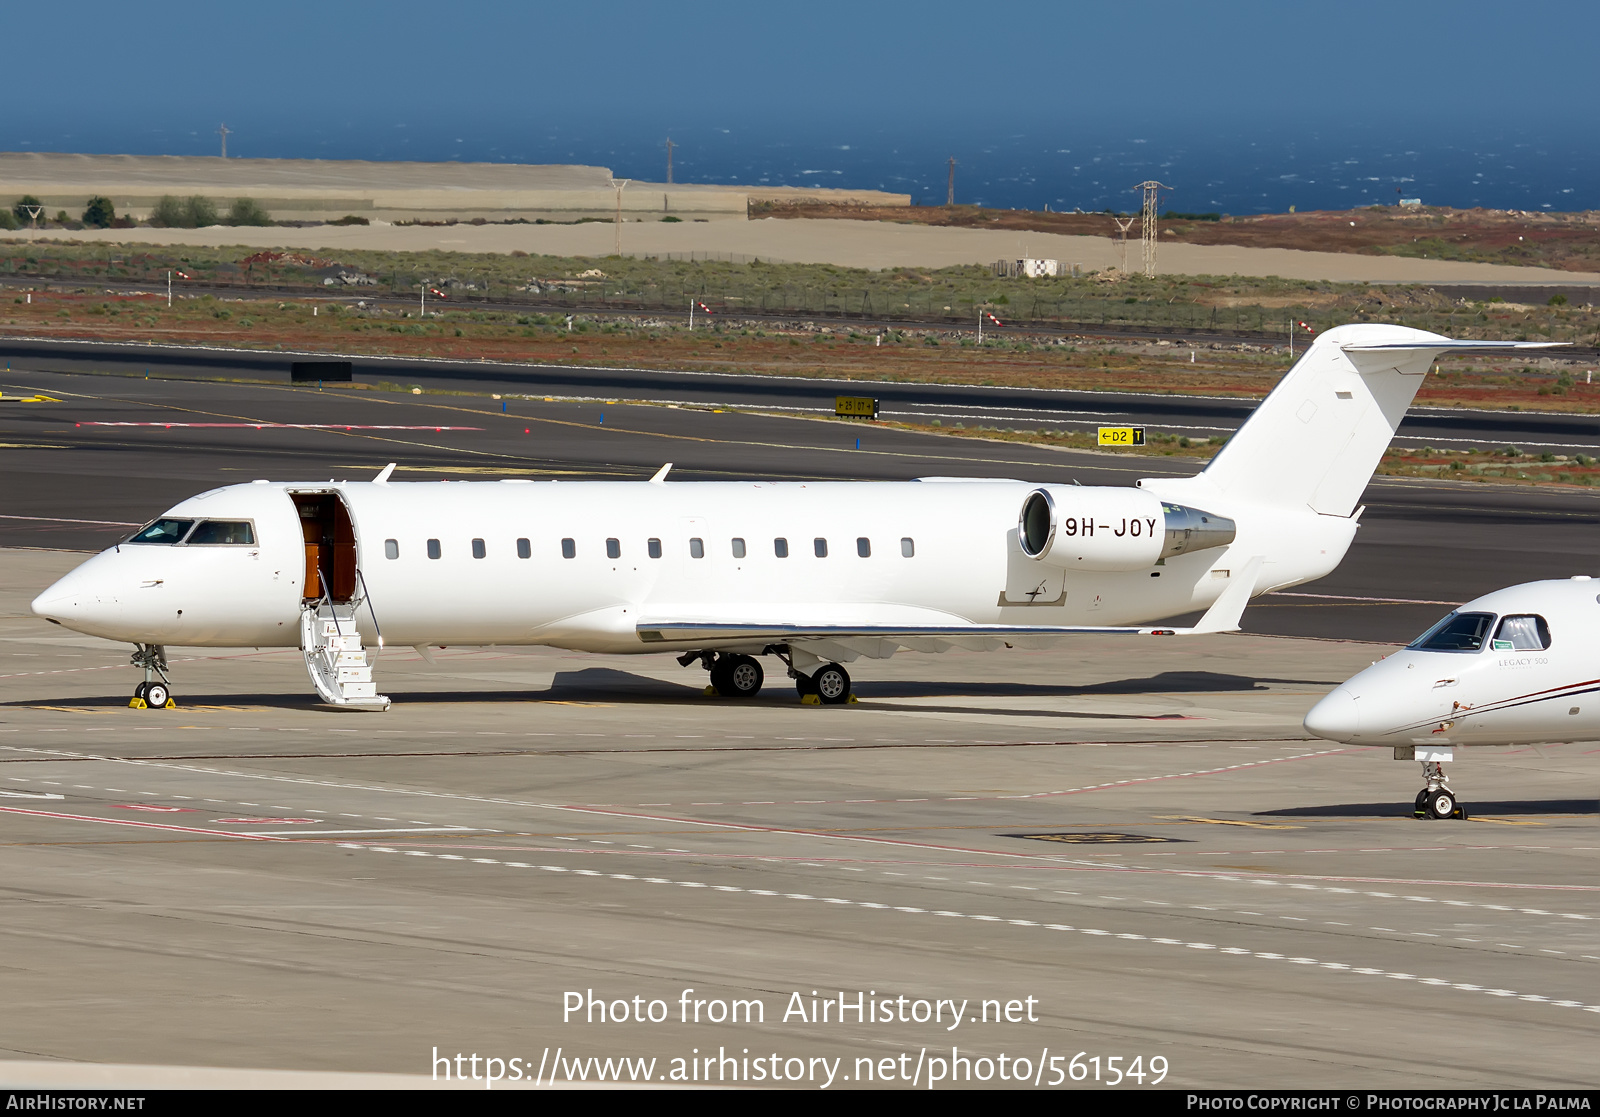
<point>1316,440</point>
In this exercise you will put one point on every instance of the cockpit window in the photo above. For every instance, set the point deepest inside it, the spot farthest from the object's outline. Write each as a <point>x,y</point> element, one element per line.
<point>1459,632</point>
<point>236,533</point>
<point>1525,632</point>
<point>163,531</point>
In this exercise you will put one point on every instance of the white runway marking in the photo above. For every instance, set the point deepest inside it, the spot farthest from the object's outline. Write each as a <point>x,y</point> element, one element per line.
<point>1241,952</point>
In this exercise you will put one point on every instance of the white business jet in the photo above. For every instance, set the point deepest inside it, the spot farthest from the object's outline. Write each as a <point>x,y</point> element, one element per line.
<point>1509,668</point>
<point>816,575</point>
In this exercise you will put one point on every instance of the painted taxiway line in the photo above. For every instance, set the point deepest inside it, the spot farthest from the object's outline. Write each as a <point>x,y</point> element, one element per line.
<point>395,830</point>
<point>613,813</point>
<point>145,825</point>
<point>1343,968</point>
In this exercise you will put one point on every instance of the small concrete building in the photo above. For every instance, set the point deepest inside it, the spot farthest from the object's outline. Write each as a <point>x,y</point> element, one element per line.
<point>1028,268</point>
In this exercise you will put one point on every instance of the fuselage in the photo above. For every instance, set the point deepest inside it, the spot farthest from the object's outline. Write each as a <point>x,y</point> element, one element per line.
<point>581,564</point>
<point>1517,666</point>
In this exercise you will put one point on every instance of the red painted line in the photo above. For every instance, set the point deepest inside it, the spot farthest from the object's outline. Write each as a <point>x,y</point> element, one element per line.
<point>142,825</point>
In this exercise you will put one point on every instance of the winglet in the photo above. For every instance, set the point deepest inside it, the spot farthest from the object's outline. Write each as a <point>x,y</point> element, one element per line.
<point>383,475</point>
<point>660,477</point>
<point>1225,612</point>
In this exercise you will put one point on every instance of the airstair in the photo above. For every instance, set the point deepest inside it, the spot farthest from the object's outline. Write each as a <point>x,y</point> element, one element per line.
<point>335,659</point>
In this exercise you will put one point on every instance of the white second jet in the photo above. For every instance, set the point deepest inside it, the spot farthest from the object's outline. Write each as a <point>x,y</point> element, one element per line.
<point>1510,668</point>
<point>726,573</point>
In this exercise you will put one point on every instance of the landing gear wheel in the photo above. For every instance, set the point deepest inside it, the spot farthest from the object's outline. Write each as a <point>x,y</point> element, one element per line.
<point>138,691</point>
<point>1421,808</point>
<point>1441,803</point>
<point>719,675</point>
<point>156,695</point>
<point>742,678</point>
<point>805,685</point>
<point>832,683</point>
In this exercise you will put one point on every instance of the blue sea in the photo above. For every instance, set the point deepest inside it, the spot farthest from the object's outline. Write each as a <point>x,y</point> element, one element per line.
<point>1065,168</point>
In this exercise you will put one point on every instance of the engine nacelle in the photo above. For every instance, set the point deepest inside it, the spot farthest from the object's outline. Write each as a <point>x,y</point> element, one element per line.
<point>1079,528</point>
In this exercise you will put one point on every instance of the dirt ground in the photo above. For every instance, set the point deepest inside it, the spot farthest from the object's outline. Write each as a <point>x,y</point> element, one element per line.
<point>1563,241</point>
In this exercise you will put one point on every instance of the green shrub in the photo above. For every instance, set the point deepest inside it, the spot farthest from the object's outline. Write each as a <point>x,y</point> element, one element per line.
<point>187,213</point>
<point>99,213</point>
<point>7,221</point>
<point>247,211</point>
<point>1557,300</point>
<point>168,213</point>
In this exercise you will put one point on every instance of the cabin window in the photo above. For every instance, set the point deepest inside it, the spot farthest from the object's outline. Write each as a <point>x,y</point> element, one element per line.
<point>738,548</point>
<point>820,546</point>
<point>613,549</point>
<point>1526,632</point>
<point>780,547</point>
<point>654,547</point>
<point>697,548</point>
<point>908,547</point>
<point>1458,632</point>
<point>433,548</point>
<point>226,533</point>
<point>478,549</point>
<point>524,549</point>
<point>391,548</point>
<point>864,547</point>
<point>569,549</point>
<point>163,531</point>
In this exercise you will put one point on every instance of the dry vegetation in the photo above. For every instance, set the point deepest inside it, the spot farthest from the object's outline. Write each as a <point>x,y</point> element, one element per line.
<point>1562,241</point>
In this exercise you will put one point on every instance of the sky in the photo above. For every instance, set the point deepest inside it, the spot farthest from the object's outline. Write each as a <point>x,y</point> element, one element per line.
<point>607,82</point>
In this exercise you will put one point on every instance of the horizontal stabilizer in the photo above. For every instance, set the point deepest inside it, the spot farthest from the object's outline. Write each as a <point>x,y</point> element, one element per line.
<point>1316,439</point>
<point>1450,345</point>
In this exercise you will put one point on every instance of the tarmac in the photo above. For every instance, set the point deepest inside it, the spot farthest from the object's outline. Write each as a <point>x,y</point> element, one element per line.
<point>1071,845</point>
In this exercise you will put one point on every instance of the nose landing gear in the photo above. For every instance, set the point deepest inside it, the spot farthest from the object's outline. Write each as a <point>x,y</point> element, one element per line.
<point>152,694</point>
<point>1436,800</point>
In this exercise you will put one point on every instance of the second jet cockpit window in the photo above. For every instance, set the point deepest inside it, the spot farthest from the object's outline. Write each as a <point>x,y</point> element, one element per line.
<point>1459,632</point>
<point>1527,632</point>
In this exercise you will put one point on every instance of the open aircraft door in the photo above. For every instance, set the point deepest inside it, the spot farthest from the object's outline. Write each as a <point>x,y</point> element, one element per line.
<point>331,556</point>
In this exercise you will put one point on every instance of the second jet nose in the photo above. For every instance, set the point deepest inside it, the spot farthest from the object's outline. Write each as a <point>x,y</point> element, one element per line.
<point>1337,717</point>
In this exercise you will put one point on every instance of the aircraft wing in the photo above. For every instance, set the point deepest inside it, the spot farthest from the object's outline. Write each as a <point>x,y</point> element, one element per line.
<point>1223,616</point>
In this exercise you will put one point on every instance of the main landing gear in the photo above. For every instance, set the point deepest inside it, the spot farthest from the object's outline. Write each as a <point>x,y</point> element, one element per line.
<point>152,694</point>
<point>828,685</point>
<point>734,675</point>
<point>1436,800</point>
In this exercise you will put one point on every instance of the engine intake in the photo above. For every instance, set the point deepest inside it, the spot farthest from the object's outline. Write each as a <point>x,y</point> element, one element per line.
<point>1113,529</point>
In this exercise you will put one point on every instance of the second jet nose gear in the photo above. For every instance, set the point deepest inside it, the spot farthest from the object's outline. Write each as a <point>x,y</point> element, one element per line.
<point>1436,800</point>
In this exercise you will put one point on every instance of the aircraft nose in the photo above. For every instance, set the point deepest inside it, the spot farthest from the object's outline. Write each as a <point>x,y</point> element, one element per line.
<point>1337,717</point>
<point>76,605</point>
